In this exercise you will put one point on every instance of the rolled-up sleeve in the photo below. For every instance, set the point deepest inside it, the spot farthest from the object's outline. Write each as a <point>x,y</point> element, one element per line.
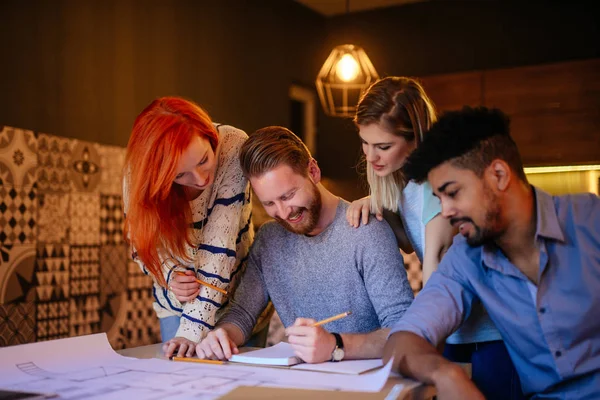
<point>441,307</point>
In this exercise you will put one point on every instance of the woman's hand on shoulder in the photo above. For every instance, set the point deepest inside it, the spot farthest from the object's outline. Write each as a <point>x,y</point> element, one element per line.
<point>359,211</point>
<point>185,287</point>
<point>183,346</point>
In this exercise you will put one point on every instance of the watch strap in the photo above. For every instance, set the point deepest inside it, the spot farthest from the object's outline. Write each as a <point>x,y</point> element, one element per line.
<point>339,343</point>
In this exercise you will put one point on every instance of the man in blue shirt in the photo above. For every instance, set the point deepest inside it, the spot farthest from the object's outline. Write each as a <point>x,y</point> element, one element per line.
<point>532,259</point>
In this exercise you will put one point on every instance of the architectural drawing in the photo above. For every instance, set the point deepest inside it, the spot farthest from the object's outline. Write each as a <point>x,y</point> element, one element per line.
<point>87,368</point>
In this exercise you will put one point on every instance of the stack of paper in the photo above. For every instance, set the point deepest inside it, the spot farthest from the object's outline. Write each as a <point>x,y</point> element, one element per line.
<point>282,354</point>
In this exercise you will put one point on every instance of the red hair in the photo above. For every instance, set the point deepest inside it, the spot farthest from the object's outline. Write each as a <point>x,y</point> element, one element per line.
<point>159,215</point>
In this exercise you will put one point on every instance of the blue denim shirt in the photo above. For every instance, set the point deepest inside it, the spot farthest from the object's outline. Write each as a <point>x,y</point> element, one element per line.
<point>554,342</point>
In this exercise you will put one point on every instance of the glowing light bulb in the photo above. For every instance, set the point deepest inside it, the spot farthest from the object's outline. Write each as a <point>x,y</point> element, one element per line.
<point>347,68</point>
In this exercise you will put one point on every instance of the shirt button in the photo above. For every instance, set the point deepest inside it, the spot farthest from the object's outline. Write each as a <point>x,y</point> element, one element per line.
<point>558,353</point>
<point>542,310</point>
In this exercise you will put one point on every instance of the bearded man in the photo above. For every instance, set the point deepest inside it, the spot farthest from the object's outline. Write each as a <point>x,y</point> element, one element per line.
<point>532,259</point>
<point>310,263</point>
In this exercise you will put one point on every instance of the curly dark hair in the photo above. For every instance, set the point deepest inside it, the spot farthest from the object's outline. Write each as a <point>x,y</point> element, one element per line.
<point>470,138</point>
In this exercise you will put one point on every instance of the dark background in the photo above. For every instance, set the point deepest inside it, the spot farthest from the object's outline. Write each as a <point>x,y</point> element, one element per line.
<point>85,68</point>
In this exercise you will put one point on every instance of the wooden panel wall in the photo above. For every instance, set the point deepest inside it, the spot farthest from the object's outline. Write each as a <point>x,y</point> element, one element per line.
<point>453,91</point>
<point>554,108</point>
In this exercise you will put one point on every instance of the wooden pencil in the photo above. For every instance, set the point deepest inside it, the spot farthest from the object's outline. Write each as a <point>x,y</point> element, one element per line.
<point>218,289</point>
<point>197,360</point>
<point>334,318</point>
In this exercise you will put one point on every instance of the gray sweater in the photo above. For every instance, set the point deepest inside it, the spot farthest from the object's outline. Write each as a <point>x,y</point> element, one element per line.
<point>341,269</point>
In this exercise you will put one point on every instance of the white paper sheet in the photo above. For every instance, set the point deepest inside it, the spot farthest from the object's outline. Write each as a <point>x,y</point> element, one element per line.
<point>87,368</point>
<point>280,354</point>
<point>352,367</point>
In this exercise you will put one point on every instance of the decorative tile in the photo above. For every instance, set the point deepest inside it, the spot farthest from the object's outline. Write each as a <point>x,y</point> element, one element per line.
<point>52,320</point>
<point>84,315</point>
<point>18,209</point>
<point>414,271</point>
<point>136,279</point>
<point>113,269</point>
<point>64,268</point>
<point>18,159</point>
<point>54,163</point>
<point>85,254</point>
<point>136,323</point>
<point>17,323</point>
<point>111,219</point>
<point>85,218</point>
<point>84,290</point>
<point>112,160</point>
<point>17,274</point>
<point>53,218</point>
<point>84,268</point>
<point>85,167</point>
<point>113,282</point>
<point>52,272</point>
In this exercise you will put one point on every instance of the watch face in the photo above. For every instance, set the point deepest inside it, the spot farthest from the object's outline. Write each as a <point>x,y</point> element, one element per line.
<point>338,354</point>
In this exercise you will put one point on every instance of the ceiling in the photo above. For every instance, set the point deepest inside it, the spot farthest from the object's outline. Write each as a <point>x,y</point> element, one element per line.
<point>330,8</point>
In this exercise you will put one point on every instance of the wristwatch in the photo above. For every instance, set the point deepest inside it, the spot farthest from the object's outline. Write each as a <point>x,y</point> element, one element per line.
<point>338,351</point>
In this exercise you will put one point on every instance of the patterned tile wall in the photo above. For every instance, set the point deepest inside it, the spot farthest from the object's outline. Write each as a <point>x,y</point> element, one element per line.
<point>64,269</point>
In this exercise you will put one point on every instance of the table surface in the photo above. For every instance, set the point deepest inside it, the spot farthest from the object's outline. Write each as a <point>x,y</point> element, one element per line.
<point>420,393</point>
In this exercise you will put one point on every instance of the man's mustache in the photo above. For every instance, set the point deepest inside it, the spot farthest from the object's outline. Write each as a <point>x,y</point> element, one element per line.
<point>463,219</point>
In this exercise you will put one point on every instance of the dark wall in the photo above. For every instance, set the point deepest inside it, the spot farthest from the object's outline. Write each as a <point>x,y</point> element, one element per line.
<point>438,37</point>
<point>85,69</point>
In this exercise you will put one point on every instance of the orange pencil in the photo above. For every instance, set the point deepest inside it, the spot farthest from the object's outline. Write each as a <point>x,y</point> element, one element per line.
<point>218,289</point>
<point>197,360</point>
<point>334,318</point>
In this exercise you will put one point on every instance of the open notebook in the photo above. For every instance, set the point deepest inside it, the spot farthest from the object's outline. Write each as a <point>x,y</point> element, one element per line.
<point>282,354</point>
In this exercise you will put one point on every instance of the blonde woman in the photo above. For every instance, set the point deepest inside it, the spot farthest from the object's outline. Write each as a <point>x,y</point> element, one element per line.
<point>392,117</point>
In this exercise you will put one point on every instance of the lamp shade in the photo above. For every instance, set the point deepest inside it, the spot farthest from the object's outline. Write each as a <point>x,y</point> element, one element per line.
<point>343,78</point>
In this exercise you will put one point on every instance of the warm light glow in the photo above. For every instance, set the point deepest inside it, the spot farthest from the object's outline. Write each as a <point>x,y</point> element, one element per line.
<point>564,168</point>
<point>345,75</point>
<point>347,68</point>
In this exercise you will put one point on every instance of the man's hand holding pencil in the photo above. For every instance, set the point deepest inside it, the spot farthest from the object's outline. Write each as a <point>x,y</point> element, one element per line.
<point>310,341</point>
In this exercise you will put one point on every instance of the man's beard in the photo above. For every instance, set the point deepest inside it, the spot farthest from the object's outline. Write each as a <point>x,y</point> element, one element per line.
<point>486,234</point>
<point>489,232</point>
<point>311,215</point>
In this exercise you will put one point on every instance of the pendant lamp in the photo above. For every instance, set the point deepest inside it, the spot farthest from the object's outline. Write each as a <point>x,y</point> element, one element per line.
<point>344,76</point>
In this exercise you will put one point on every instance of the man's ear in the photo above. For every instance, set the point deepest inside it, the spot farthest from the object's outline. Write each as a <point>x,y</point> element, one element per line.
<point>500,174</point>
<point>314,172</point>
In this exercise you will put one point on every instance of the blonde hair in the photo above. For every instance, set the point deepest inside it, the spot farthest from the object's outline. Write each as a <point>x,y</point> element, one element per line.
<point>400,106</point>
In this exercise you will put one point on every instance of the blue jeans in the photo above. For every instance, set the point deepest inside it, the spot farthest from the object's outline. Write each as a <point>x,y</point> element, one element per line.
<point>169,326</point>
<point>493,371</point>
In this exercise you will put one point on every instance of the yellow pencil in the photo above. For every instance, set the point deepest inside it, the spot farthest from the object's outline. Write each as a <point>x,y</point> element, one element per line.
<point>218,289</point>
<point>197,360</point>
<point>334,318</point>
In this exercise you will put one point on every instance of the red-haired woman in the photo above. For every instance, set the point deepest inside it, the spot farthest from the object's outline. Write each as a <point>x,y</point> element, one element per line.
<point>187,209</point>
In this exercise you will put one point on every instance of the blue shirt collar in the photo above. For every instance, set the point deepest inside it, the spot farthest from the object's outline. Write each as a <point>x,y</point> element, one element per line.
<point>547,220</point>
